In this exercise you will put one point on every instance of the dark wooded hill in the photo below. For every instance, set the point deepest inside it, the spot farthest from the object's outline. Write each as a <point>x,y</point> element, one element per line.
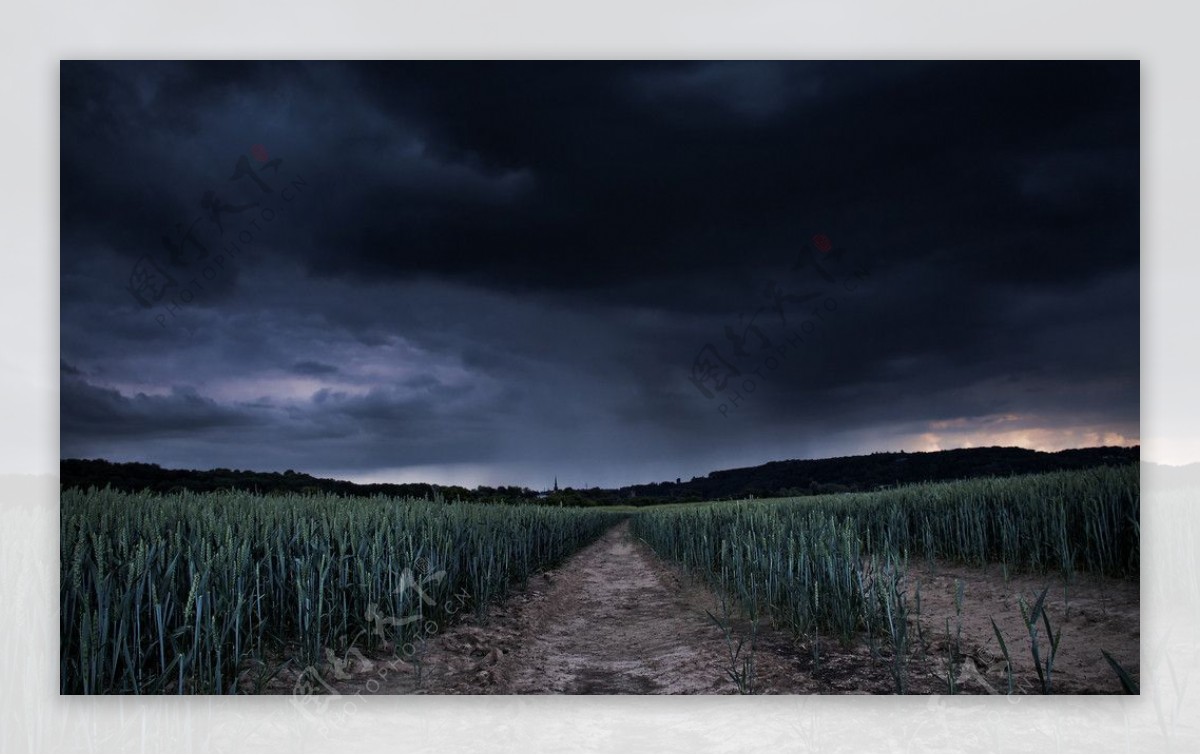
<point>776,478</point>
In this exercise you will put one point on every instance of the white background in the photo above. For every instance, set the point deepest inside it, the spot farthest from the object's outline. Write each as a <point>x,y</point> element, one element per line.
<point>36,36</point>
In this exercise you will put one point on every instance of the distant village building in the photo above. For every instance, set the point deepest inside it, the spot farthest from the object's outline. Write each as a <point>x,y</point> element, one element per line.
<point>546,494</point>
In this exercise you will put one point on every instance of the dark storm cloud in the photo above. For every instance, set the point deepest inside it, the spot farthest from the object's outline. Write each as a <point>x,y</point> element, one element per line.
<point>940,154</point>
<point>516,264</point>
<point>309,367</point>
<point>91,410</point>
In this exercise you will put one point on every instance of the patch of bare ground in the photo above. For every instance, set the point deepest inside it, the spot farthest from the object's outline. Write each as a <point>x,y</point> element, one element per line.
<point>616,619</point>
<point>1093,614</point>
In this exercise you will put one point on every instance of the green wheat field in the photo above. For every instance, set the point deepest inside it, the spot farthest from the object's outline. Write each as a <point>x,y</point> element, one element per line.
<point>207,593</point>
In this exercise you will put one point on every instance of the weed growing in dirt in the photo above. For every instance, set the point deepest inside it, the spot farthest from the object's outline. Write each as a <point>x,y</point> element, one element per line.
<point>741,654</point>
<point>1044,667</point>
<point>1129,686</point>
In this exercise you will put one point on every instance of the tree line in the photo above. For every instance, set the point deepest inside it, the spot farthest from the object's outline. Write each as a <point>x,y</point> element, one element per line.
<point>778,478</point>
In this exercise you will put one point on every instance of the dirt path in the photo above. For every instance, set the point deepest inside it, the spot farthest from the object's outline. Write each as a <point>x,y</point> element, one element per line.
<point>616,619</point>
<point>613,619</point>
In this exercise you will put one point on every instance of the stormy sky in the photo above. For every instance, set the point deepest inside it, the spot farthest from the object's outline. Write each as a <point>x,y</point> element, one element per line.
<point>499,273</point>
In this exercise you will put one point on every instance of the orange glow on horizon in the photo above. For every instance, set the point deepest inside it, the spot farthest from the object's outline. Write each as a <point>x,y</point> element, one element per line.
<point>992,431</point>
